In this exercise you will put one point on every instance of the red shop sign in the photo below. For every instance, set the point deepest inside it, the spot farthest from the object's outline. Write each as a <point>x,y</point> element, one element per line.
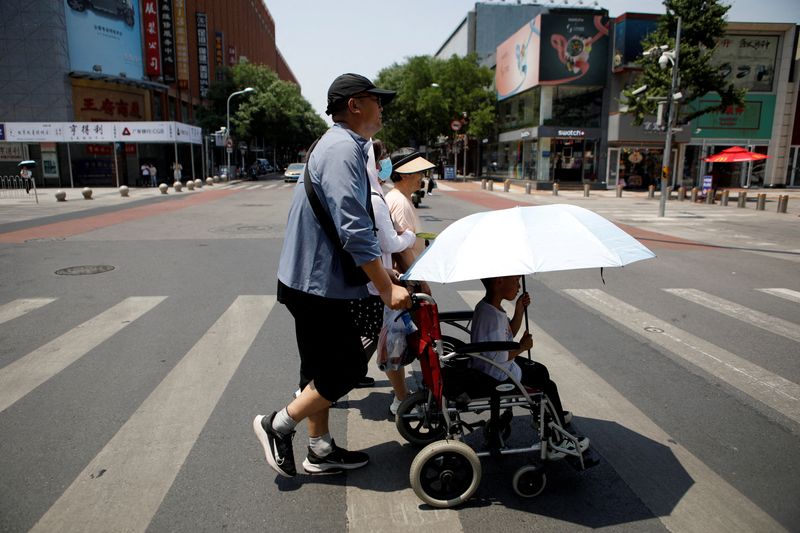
<point>151,44</point>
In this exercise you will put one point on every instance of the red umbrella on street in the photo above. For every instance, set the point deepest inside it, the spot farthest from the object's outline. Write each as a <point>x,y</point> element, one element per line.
<point>735,154</point>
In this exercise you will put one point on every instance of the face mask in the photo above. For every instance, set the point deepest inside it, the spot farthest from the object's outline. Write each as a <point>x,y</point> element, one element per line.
<point>386,169</point>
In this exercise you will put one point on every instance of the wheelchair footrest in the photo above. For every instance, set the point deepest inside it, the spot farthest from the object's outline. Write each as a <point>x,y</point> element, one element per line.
<point>590,459</point>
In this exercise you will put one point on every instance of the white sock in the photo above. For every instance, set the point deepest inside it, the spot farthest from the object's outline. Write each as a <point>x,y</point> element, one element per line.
<point>283,423</point>
<point>321,445</point>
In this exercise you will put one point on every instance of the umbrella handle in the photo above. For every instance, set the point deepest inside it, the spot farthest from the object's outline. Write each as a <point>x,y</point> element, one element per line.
<point>526,315</point>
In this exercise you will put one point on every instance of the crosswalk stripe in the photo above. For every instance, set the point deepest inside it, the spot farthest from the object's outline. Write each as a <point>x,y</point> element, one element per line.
<point>21,307</point>
<point>710,504</point>
<point>768,388</point>
<point>786,294</point>
<point>756,318</point>
<point>140,463</point>
<point>271,186</point>
<point>256,186</point>
<point>25,374</point>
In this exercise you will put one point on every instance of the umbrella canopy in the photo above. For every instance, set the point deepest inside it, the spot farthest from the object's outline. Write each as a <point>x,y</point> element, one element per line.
<point>735,154</point>
<point>28,163</point>
<point>525,240</point>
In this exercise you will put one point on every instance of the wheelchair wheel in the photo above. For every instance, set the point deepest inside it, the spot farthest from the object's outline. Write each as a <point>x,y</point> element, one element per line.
<point>529,481</point>
<point>418,421</point>
<point>449,344</point>
<point>445,473</point>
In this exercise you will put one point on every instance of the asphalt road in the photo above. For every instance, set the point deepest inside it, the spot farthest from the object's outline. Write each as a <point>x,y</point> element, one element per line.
<point>126,396</point>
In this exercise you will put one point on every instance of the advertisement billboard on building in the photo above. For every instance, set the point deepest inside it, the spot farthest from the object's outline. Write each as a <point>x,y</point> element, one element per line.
<point>105,37</point>
<point>167,34</point>
<point>151,41</point>
<point>748,61</point>
<point>202,53</point>
<point>574,49</point>
<point>517,67</point>
<point>181,42</point>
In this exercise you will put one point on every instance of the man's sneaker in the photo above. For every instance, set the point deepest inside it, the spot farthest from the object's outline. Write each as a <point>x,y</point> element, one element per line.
<point>335,462</point>
<point>567,447</point>
<point>277,446</point>
<point>365,382</point>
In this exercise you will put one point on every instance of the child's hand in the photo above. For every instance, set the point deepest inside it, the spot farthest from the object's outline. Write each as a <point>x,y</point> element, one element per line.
<point>523,301</point>
<point>526,342</point>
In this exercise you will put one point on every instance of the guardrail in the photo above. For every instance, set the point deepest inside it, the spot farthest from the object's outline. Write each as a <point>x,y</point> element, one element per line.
<point>17,187</point>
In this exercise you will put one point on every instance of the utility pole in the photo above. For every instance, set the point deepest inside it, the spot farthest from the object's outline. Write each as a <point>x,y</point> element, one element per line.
<point>665,170</point>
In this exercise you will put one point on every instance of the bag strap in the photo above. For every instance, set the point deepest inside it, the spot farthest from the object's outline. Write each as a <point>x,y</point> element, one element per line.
<point>323,217</point>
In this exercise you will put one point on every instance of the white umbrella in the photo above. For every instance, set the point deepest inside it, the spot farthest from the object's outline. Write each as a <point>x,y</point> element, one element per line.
<point>525,240</point>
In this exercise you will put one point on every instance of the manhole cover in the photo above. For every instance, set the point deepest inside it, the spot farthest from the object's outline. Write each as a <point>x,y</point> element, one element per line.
<point>653,329</point>
<point>84,270</point>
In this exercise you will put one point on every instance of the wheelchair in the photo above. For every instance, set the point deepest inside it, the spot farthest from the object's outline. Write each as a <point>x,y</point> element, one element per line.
<point>446,472</point>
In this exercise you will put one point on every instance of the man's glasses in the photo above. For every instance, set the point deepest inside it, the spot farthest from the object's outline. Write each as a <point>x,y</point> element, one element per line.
<point>377,99</point>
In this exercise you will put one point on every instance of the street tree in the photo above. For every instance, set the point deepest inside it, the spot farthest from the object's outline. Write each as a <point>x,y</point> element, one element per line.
<point>276,112</point>
<point>431,94</point>
<point>703,23</point>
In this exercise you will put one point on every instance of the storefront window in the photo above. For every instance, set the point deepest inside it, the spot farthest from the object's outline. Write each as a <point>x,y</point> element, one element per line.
<point>639,167</point>
<point>576,106</point>
<point>520,111</point>
<point>573,160</point>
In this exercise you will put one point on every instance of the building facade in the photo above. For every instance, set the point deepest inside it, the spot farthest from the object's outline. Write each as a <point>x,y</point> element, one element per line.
<point>75,61</point>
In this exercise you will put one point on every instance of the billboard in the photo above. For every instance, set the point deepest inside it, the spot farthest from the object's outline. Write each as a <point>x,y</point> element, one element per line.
<point>517,58</point>
<point>748,61</point>
<point>574,49</point>
<point>105,36</point>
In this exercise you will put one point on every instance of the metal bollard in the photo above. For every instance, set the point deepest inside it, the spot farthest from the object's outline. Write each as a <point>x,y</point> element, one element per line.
<point>742,199</point>
<point>761,202</point>
<point>651,191</point>
<point>528,188</point>
<point>483,184</point>
<point>586,188</point>
<point>724,200</point>
<point>710,196</point>
<point>681,193</point>
<point>555,189</point>
<point>694,194</point>
<point>490,184</point>
<point>506,185</point>
<point>783,203</point>
<point>619,191</point>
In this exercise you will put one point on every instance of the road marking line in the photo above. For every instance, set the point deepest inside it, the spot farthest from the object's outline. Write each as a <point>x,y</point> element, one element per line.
<point>25,374</point>
<point>140,463</point>
<point>768,388</point>
<point>787,294</point>
<point>255,186</point>
<point>755,318</point>
<point>20,307</point>
<point>271,186</point>
<point>289,185</point>
<point>708,503</point>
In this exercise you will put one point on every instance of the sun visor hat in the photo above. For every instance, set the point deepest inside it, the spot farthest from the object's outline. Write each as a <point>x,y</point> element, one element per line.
<point>350,84</point>
<point>411,163</point>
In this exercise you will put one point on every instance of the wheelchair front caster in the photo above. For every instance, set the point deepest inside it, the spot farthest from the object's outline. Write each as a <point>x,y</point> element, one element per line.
<point>445,473</point>
<point>419,421</point>
<point>529,481</point>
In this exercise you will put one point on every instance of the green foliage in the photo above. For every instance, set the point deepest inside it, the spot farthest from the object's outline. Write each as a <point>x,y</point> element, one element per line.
<point>702,23</point>
<point>276,112</point>
<point>421,111</point>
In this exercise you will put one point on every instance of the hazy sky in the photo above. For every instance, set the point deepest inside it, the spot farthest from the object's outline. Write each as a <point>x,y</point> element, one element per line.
<point>321,39</point>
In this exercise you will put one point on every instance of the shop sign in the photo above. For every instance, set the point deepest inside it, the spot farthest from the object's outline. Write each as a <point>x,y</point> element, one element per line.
<point>167,32</point>
<point>151,51</point>
<point>92,104</point>
<point>89,131</point>
<point>231,55</point>
<point>751,121</point>
<point>107,149</point>
<point>219,55</point>
<point>181,42</point>
<point>747,61</point>
<point>187,133</point>
<point>570,133</point>
<point>33,131</point>
<point>12,152</point>
<point>49,160</point>
<point>202,53</point>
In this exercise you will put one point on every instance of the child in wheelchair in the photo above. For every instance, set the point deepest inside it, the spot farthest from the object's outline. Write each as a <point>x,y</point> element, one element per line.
<point>490,323</point>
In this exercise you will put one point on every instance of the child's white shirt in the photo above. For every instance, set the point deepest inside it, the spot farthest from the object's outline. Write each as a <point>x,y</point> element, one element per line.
<point>492,324</point>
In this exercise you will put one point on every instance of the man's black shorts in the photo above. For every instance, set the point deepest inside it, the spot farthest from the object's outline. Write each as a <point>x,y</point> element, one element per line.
<point>331,351</point>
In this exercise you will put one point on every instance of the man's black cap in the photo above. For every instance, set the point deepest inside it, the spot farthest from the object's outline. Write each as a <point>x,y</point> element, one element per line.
<point>350,84</point>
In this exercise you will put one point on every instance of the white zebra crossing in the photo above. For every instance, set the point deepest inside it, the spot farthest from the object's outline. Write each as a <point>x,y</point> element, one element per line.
<point>142,460</point>
<point>709,505</point>
<point>768,388</point>
<point>756,318</point>
<point>21,307</point>
<point>786,294</point>
<point>19,378</point>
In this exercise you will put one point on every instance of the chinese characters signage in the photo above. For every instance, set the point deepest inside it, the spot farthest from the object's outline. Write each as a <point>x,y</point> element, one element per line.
<point>167,40</point>
<point>747,61</point>
<point>219,55</point>
<point>181,42</point>
<point>231,55</point>
<point>92,104</point>
<point>751,121</point>
<point>202,53</point>
<point>102,132</point>
<point>151,42</point>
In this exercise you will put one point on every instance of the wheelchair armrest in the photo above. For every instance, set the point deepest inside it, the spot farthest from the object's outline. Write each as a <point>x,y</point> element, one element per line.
<point>493,346</point>
<point>455,316</point>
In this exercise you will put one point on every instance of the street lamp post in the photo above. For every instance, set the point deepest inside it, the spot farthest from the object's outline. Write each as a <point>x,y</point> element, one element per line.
<point>663,61</point>
<point>228,128</point>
